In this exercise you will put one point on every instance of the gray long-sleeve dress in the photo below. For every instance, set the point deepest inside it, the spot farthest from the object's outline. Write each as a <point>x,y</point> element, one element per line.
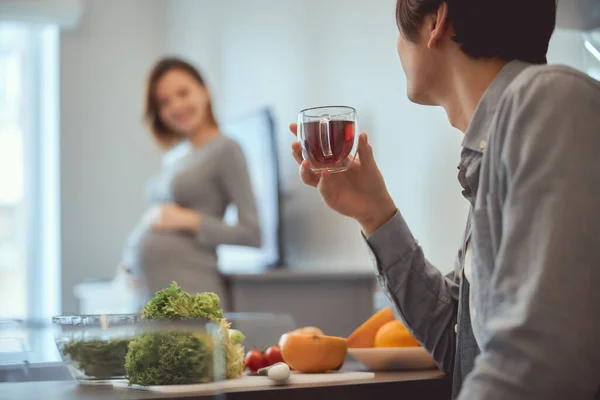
<point>207,180</point>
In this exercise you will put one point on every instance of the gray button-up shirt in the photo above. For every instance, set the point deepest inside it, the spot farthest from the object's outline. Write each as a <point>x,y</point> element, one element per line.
<point>530,167</point>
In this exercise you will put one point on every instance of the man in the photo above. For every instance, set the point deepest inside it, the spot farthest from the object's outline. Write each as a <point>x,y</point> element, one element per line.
<point>520,316</point>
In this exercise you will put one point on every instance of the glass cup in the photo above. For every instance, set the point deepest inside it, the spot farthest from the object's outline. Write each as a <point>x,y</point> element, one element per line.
<point>329,137</point>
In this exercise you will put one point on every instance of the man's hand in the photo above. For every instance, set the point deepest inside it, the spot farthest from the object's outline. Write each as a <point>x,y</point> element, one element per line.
<point>359,192</point>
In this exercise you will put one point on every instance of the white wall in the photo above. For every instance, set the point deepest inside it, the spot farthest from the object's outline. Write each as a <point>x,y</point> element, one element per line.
<point>566,47</point>
<point>106,153</point>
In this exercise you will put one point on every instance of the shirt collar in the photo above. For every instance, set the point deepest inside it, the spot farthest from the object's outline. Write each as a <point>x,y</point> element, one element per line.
<point>477,132</point>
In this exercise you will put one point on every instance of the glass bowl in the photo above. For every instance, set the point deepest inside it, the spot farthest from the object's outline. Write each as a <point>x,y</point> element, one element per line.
<point>127,349</point>
<point>94,347</point>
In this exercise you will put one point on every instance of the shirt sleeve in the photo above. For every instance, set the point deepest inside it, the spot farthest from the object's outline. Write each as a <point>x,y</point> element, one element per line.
<point>543,319</point>
<point>237,186</point>
<point>426,300</point>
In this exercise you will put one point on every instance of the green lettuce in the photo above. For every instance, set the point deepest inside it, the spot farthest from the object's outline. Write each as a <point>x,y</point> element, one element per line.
<point>173,303</point>
<point>97,358</point>
<point>170,358</point>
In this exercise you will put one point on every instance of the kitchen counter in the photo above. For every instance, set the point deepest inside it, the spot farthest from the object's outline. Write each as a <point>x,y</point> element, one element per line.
<point>298,274</point>
<point>429,385</point>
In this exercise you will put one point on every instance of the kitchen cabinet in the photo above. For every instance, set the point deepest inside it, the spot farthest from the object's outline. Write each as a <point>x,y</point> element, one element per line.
<point>336,302</point>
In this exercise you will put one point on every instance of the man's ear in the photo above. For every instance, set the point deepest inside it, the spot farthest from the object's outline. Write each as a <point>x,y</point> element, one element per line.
<point>441,25</point>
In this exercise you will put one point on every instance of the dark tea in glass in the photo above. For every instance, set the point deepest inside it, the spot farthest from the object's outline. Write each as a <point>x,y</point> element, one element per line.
<point>329,137</point>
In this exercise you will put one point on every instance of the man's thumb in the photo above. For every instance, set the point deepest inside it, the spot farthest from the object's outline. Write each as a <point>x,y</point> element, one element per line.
<point>365,151</point>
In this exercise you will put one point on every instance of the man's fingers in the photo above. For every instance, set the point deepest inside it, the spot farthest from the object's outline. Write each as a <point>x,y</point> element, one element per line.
<point>308,177</point>
<point>297,152</point>
<point>294,128</point>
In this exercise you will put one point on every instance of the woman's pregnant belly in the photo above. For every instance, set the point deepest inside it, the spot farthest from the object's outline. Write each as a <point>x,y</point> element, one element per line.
<point>151,249</point>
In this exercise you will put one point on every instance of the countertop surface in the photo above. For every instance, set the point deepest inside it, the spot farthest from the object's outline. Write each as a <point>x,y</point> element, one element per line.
<point>428,384</point>
<point>262,275</point>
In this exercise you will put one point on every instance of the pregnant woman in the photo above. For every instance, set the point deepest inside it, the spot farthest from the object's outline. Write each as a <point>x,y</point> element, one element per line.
<point>178,237</point>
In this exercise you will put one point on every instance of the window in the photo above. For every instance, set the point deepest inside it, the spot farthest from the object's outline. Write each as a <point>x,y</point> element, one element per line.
<point>28,170</point>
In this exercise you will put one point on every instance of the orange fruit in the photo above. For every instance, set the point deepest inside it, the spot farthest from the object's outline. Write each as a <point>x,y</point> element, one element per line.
<point>364,335</point>
<point>313,353</point>
<point>394,334</point>
<point>308,330</point>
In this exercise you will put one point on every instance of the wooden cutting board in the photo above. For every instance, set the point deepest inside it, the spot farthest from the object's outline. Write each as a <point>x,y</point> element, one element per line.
<point>249,382</point>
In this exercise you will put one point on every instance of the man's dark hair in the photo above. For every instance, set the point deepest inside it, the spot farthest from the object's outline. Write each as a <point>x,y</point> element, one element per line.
<point>505,29</point>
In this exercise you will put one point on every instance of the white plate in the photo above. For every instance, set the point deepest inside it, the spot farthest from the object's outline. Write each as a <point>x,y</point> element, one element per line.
<point>393,358</point>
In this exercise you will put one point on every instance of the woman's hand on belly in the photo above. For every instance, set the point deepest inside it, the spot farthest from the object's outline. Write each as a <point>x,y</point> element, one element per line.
<point>172,217</point>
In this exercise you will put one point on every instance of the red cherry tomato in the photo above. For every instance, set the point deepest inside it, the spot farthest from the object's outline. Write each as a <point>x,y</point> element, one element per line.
<point>273,355</point>
<point>255,360</point>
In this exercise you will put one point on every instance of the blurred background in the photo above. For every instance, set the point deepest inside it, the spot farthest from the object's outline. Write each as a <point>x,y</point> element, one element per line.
<point>75,154</point>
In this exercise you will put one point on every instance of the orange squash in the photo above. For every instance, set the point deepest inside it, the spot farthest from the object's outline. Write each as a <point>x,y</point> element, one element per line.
<point>313,353</point>
<point>364,335</point>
